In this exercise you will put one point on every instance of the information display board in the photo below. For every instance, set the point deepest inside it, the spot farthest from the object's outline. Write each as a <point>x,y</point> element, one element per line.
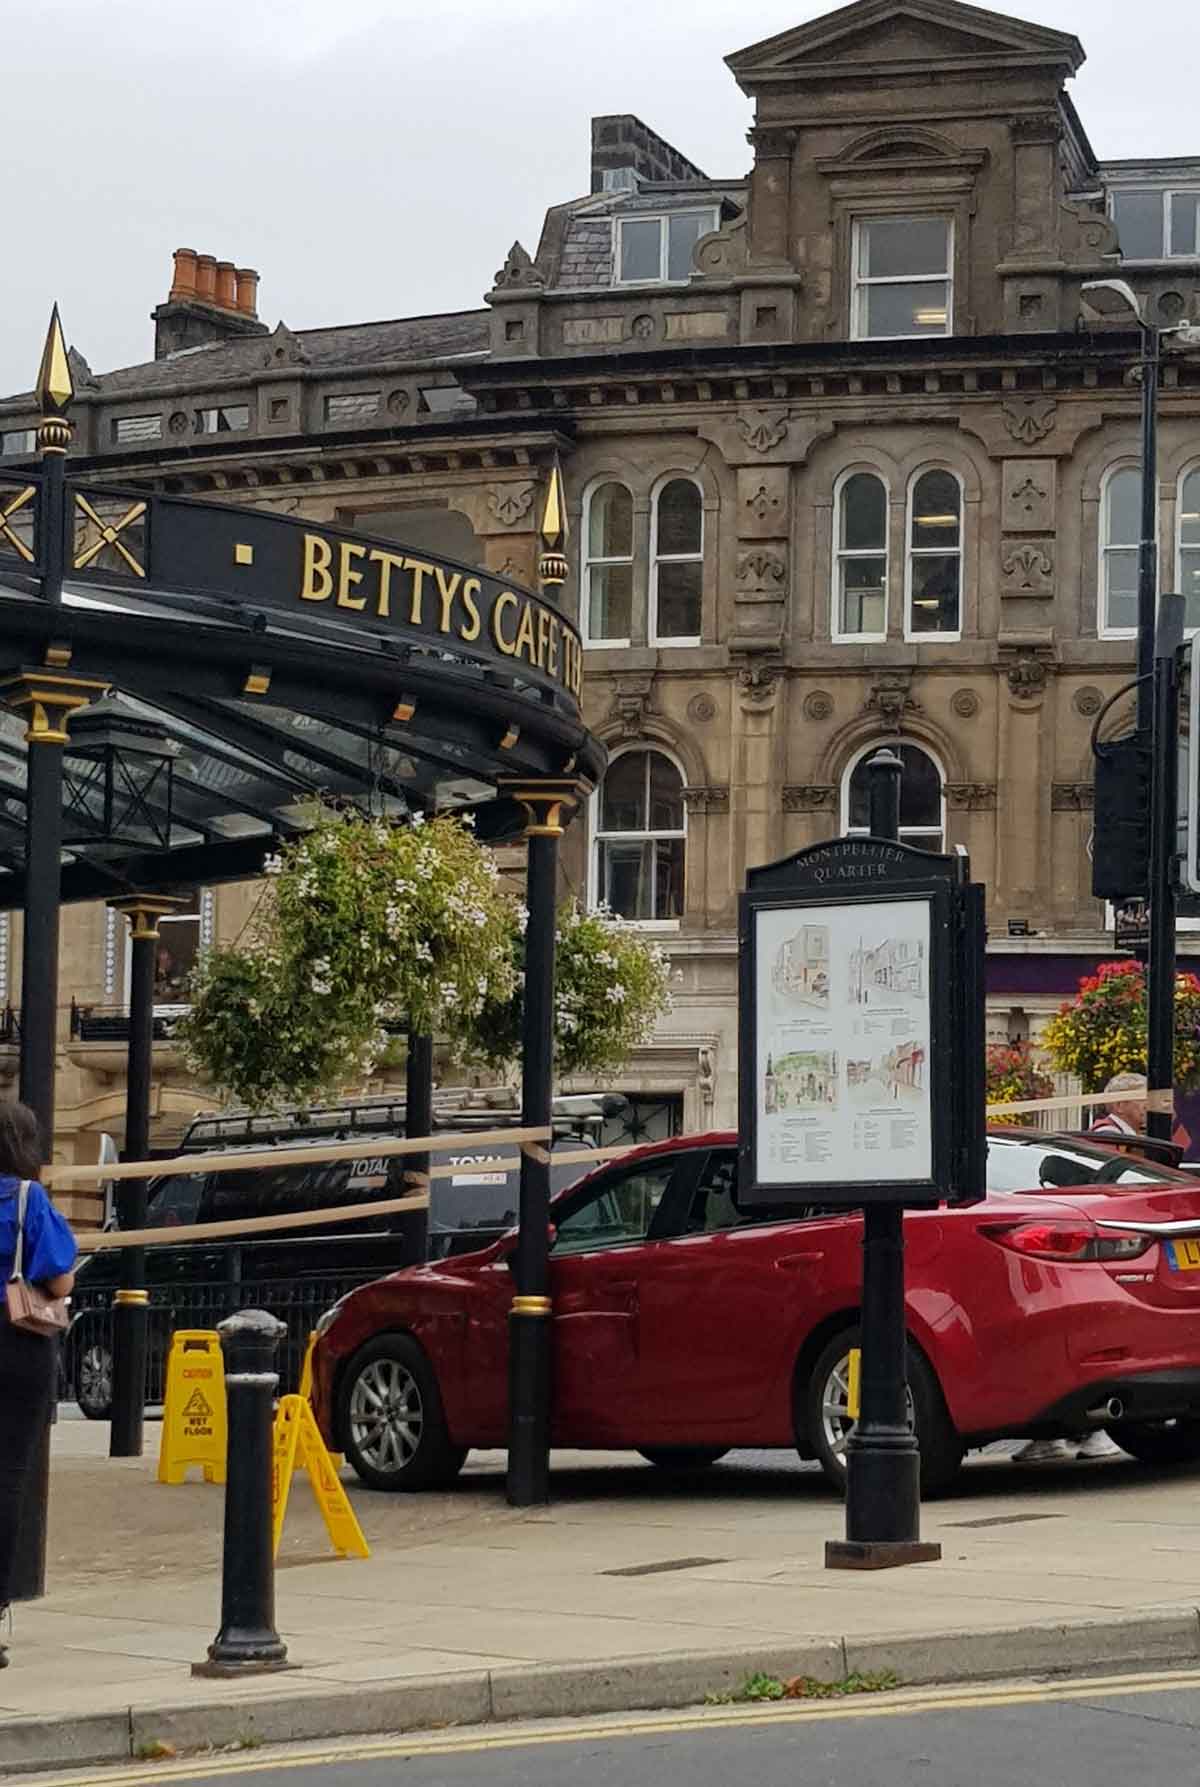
<point>861,1054</point>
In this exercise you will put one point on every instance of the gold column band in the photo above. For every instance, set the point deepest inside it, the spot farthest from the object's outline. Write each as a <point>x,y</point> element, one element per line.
<point>128,1298</point>
<point>531,1306</point>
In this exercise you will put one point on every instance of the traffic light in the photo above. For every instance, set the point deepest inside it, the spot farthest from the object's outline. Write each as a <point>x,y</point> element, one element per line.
<point>1121,840</point>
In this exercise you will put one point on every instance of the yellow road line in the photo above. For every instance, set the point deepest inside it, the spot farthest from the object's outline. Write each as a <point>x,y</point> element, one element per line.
<point>900,1703</point>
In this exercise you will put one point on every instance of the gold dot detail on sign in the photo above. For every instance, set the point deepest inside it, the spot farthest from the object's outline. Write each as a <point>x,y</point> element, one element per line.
<point>243,555</point>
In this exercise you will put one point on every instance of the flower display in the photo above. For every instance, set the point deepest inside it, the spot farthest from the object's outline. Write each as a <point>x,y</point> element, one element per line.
<point>1102,1030</point>
<point>1013,1075</point>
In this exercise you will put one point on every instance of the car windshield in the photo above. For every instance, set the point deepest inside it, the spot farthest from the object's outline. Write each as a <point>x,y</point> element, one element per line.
<point>1021,1163</point>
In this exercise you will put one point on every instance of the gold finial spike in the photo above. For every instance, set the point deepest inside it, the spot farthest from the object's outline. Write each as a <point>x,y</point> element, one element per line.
<point>554,515</point>
<point>54,387</point>
<point>552,564</point>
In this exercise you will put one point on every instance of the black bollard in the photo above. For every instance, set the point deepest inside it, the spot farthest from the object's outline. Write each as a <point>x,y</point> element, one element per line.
<point>248,1643</point>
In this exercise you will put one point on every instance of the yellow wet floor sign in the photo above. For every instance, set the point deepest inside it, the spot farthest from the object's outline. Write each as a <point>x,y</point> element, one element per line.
<point>194,1424</point>
<point>298,1441</point>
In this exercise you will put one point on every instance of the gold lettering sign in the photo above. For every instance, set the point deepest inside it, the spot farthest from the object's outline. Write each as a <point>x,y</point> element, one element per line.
<point>358,578</point>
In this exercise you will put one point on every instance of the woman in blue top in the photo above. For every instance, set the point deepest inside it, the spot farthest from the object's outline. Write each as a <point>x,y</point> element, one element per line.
<point>28,1362</point>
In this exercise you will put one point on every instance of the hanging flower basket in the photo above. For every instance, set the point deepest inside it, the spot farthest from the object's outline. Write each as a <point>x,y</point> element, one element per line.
<point>1013,1075</point>
<point>1102,1030</point>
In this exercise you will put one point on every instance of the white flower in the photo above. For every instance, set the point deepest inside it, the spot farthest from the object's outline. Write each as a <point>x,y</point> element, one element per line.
<point>522,919</point>
<point>615,994</point>
<point>467,819</point>
<point>417,820</point>
<point>606,960</point>
<point>423,952</point>
<point>272,864</point>
<point>481,986</point>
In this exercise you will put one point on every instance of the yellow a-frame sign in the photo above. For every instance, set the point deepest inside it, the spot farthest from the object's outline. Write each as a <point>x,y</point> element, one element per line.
<point>298,1441</point>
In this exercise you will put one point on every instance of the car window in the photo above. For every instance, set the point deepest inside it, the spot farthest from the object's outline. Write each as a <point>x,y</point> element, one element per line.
<point>279,1191</point>
<point>1023,1164</point>
<point>174,1202</point>
<point>712,1206</point>
<point>616,1213</point>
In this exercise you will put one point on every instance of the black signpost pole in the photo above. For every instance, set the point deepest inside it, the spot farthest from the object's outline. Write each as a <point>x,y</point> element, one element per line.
<point>883,1462</point>
<point>1160,971</point>
<point>418,1121</point>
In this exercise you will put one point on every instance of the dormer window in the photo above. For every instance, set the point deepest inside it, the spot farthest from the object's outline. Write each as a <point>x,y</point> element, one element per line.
<point>1156,224</point>
<point>902,283</point>
<point>655,250</point>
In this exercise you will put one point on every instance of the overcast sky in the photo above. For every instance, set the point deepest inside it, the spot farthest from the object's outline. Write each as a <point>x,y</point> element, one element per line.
<point>375,158</point>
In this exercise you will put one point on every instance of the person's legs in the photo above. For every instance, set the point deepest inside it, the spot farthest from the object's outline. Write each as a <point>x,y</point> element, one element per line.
<point>27,1364</point>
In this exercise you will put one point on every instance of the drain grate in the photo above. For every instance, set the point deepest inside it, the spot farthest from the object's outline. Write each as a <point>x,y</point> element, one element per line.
<point>671,1563</point>
<point>1006,1519</point>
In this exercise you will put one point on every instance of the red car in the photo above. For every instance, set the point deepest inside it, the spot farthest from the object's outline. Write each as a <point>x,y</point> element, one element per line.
<point>684,1327</point>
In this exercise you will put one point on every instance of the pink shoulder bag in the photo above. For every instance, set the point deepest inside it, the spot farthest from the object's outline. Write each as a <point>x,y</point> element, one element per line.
<point>28,1307</point>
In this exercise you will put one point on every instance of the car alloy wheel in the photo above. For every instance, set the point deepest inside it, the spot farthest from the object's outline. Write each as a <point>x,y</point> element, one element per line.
<point>94,1380</point>
<point>836,1421</point>
<point>387,1415</point>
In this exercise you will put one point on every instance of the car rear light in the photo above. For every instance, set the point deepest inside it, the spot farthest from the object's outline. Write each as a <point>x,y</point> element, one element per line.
<point>1066,1241</point>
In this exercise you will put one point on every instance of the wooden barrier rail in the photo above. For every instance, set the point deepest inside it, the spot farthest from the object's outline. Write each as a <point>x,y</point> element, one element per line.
<point>1155,1101</point>
<point>104,1240</point>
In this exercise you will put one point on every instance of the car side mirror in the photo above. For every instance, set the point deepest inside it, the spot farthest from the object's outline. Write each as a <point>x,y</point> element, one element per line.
<point>510,1252</point>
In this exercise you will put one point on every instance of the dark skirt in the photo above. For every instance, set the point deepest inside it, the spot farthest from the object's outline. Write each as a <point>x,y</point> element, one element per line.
<point>27,1373</point>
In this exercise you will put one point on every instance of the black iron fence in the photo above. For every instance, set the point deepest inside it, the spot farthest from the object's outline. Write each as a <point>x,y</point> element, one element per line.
<point>88,1350</point>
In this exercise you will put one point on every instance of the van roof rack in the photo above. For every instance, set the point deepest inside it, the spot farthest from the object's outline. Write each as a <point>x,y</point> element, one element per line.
<point>465,1107</point>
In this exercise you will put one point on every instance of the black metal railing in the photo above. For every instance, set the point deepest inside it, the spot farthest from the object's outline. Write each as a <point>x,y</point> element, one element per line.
<point>296,1301</point>
<point>110,1023</point>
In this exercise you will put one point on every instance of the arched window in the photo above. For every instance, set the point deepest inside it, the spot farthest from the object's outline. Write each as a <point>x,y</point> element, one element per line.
<point>1120,527</point>
<point>676,563</point>
<point>922,797</point>
<point>606,616</point>
<point>1187,572</point>
<point>935,554</point>
<point>860,557</point>
<point>640,830</point>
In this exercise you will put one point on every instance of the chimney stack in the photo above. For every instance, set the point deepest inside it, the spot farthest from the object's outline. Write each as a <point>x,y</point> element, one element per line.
<point>209,301</point>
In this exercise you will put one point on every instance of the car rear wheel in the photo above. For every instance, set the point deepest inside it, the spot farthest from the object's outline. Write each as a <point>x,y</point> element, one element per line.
<point>682,1458</point>
<point>829,1425</point>
<point>391,1421</point>
<point>1158,1442</point>
<point>92,1379</point>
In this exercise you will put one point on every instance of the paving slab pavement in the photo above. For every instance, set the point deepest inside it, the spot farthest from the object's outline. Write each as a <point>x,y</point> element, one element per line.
<point>633,1588</point>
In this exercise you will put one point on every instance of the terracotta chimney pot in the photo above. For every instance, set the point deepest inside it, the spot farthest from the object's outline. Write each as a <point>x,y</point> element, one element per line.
<point>226,285</point>
<point>206,278</point>
<point>183,283</point>
<point>247,291</point>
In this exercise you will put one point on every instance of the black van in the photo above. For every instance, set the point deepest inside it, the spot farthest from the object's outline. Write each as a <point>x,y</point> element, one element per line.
<point>298,1273</point>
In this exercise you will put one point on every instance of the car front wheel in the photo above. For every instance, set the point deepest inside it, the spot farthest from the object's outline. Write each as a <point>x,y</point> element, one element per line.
<point>92,1379</point>
<point>1158,1442</point>
<point>391,1421</point>
<point>829,1423</point>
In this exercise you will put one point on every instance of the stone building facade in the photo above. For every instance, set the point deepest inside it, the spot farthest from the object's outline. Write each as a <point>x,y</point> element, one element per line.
<point>845,464</point>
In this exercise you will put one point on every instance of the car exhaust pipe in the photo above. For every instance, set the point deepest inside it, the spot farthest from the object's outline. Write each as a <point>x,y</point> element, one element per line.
<point>1112,1410</point>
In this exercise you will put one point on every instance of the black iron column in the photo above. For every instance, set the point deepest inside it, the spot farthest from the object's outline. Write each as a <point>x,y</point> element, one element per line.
<point>47,696</point>
<point>883,1463</point>
<point>1164,801</point>
<point>131,1314</point>
<point>247,1642</point>
<point>418,1120</point>
<point>1147,564</point>
<point>529,1338</point>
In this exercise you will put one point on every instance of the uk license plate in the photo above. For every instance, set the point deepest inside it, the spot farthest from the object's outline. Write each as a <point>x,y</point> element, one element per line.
<point>1184,1256</point>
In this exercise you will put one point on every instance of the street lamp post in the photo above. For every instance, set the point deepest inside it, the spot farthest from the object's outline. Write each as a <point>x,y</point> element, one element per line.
<point>1157,711</point>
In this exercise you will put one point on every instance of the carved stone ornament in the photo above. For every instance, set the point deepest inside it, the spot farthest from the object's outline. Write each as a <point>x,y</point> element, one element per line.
<point>398,400</point>
<point>762,568</point>
<point>810,797</point>
<point>1087,701</point>
<point>818,705</point>
<point>722,252</point>
<point>643,327</point>
<point>1085,234</point>
<point>1072,797</point>
<point>282,348</point>
<point>763,502</point>
<point>510,503</point>
<point>518,270</point>
<point>1029,419</point>
<point>965,703</point>
<point>762,429</point>
<point>891,697</point>
<point>702,709</point>
<point>757,679</point>
<point>178,422</point>
<point>1027,668</point>
<point>974,797</point>
<point>631,703</point>
<point>1030,564</point>
<point>706,800</point>
<point>1029,495</point>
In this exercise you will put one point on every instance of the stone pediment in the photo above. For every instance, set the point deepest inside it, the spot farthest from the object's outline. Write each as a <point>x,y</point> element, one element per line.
<point>895,35</point>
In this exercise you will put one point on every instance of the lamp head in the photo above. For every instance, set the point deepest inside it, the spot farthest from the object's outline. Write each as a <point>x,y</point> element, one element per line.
<point>1111,298</point>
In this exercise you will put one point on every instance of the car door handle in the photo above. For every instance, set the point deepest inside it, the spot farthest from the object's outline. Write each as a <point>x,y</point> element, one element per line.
<point>795,1262</point>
